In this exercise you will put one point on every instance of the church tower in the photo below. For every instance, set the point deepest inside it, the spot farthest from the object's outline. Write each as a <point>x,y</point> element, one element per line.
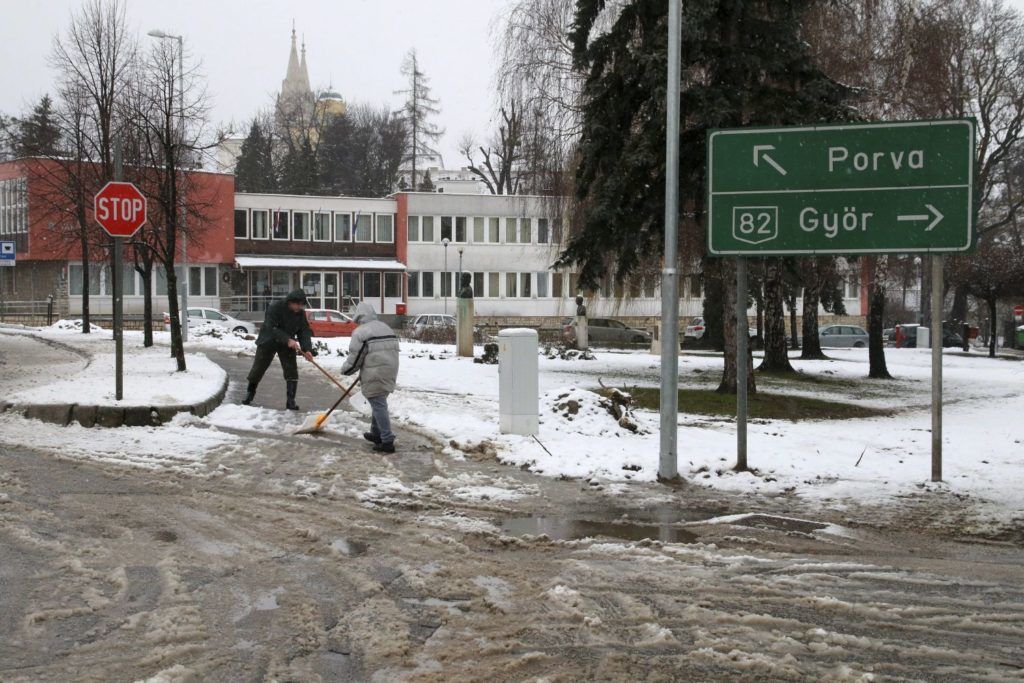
<point>295,86</point>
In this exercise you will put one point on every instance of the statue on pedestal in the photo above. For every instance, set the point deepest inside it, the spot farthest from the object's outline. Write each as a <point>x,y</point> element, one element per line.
<point>580,308</point>
<point>466,286</point>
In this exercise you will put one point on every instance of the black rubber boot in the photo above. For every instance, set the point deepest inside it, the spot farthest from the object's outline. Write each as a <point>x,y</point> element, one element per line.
<point>250,394</point>
<point>385,447</point>
<point>369,436</point>
<point>293,386</point>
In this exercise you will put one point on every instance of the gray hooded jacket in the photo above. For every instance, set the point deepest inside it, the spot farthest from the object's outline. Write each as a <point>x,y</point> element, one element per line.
<point>373,353</point>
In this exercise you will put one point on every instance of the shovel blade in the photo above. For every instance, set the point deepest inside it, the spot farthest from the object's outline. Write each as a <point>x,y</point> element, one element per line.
<point>312,424</point>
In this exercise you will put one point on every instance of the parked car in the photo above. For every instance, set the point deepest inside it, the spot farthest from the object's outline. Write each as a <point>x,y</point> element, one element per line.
<point>949,337</point>
<point>211,316</point>
<point>606,330</point>
<point>843,336</point>
<point>696,328</point>
<point>325,322</point>
<point>426,321</point>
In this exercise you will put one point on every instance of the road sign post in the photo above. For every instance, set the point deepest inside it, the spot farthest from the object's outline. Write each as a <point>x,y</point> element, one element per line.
<point>742,340</point>
<point>120,209</point>
<point>879,188</point>
<point>8,258</point>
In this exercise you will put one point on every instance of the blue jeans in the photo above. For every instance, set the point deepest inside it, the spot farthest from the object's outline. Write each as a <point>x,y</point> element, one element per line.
<point>380,424</point>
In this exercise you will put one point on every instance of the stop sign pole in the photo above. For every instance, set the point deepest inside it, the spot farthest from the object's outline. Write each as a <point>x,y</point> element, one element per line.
<point>120,209</point>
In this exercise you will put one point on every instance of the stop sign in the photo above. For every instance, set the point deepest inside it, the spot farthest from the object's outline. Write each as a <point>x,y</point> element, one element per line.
<point>1018,311</point>
<point>120,209</point>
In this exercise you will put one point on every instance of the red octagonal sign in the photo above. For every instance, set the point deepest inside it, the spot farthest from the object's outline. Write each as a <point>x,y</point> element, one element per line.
<point>120,209</point>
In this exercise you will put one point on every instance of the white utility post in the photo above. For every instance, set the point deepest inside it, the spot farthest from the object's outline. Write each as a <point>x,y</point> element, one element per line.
<point>518,398</point>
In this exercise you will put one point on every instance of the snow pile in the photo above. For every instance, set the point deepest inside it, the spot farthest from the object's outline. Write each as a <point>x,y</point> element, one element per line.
<point>75,325</point>
<point>565,353</point>
<point>586,412</point>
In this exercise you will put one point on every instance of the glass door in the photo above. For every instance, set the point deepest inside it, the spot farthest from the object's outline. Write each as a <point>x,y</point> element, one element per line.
<point>312,284</point>
<point>331,291</point>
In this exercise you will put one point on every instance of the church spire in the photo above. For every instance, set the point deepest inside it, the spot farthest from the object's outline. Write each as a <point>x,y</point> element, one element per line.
<point>303,72</point>
<point>296,80</point>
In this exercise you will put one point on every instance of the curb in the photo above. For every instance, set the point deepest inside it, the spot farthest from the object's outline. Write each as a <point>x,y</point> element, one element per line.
<point>64,414</point>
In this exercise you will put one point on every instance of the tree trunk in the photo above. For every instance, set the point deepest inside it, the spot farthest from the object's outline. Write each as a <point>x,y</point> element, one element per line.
<point>993,326</point>
<point>794,340</point>
<point>811,341</point>
<point>876,315</point>
<point>925,301</point>
<point>729,331</point>
<point>759,299</point>
<point>712,309</point>
<point>85,283</point>
<point>776,349</point>
<point>146,271</point>
<point>958,315</point>
<point>177,347</point>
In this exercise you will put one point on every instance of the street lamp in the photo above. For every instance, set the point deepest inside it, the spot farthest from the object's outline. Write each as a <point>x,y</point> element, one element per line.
<point>444,289</point>
<point>458,282</point>
<point>160,35</point>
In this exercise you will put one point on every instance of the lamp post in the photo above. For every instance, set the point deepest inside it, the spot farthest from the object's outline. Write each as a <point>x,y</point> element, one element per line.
<point>160,35</point>
<point>444,289</point>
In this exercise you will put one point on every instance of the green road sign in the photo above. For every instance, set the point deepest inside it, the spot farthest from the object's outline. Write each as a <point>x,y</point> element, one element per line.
<point>841,189</point>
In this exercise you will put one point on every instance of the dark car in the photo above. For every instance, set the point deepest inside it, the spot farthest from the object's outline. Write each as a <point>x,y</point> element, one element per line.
<point>949,337</point>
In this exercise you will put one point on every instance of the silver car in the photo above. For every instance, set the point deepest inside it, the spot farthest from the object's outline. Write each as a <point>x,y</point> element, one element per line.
<point>843,336</point>
<point>211,316</point>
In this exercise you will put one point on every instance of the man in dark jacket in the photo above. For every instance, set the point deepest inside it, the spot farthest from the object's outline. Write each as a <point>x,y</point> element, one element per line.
<point>285,331</point>
<point>373,353</point>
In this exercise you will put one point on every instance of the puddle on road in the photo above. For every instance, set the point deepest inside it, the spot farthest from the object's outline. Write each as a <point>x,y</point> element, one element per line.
<point>561,529</point>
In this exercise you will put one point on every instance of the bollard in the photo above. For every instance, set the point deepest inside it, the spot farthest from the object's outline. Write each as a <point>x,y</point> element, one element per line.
<point>923,337</point>
<point>518,400</point>
<point>655,331</point>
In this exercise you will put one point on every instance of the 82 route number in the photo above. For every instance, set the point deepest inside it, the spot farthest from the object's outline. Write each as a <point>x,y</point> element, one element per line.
<point>755,224</point>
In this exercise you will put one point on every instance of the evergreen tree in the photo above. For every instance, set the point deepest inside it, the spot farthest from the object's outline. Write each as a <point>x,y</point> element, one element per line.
<point>743,64</point>
<point>299,169</point>
<point>39,133</point>
<point>255,170</point>
<point>427,185</point>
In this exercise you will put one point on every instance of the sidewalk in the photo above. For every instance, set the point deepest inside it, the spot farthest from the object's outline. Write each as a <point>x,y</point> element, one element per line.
<point>63,376</point>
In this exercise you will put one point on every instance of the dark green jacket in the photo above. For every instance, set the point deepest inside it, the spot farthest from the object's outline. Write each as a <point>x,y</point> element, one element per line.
<point>281,324</point>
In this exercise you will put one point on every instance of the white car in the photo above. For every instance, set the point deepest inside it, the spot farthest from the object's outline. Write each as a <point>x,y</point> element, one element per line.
<point>696,329</point>
<point>211,316</point>
<point>427,321</point>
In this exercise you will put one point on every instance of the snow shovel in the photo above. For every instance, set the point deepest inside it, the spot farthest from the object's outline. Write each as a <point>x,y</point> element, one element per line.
<point>328,375</point>
<point>314,423</point>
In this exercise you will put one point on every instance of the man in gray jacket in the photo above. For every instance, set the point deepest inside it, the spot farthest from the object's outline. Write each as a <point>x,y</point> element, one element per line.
<point>373,353</point>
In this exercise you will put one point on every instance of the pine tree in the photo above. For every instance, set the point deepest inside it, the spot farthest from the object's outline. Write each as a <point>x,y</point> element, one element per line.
<point>39,133</point>
<point>255,170</point>
<point>418,108</point>
<point>743,63</point>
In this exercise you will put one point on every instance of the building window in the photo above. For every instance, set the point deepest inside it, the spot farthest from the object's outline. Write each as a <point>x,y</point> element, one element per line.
<point>241,224</point>
<point>557,290</point>
<point>511,230</point>
<point>279,225</point>
<point>542,285</point>
<point>494,230</point>
<point>413,225</point>
<point>385,227</point>
<point>202,280</point>
<point>13,206</point>
<point>414,285</point>
<point>852,285</point>
<point>393,285</point>
<point>350,286</point>
<point>342,227</point>
<point>364,229</point>
<point>300,226</point>
<point>542,231</point>
<point>446,283</point>
<point>427,285</point>
<point>556,231</point>
<point>446,228</point>
<point>695,286</point>
<point>478,284</point>
<point>524,282</point>
<point>371,286</point>
<point>525,229</point>
<point>322,226</point>
<point>427,225</point>
<point>511,280</point>
<point>493,285</point>
<point>479,230</point>
<point>460,228</point>
<point>260,225</point>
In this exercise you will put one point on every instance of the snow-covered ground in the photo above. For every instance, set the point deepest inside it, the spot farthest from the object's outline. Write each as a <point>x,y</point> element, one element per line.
<point>831,463</point>
<point>150,377</point>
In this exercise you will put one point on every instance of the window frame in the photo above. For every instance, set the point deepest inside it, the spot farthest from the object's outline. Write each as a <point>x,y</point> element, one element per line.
<point>355,228</point>
<point>394,277</point>
<point>330,225</point>
<point>287,227</point>
<point>245,221</point>
<point>309,226</point>
<point>347,225</point>
<point>266,224</point>
<point>377,227</point>
<point>409,222</point>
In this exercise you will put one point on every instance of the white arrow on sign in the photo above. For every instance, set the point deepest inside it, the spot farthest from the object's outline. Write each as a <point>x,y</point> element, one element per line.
<point>936,216</point>
<point>760,152</point>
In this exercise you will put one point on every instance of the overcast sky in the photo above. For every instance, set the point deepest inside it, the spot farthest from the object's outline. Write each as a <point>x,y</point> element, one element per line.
<point>354,45</point>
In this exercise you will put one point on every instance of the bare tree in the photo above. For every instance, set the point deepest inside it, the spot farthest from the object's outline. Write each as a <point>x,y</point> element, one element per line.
<point>419,107</point>
<point>171,125</point>
<point>499,168</point>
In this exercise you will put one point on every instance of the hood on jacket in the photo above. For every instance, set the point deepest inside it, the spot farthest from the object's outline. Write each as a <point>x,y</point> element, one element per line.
<point>364,313</point>
<point>297,295</point>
